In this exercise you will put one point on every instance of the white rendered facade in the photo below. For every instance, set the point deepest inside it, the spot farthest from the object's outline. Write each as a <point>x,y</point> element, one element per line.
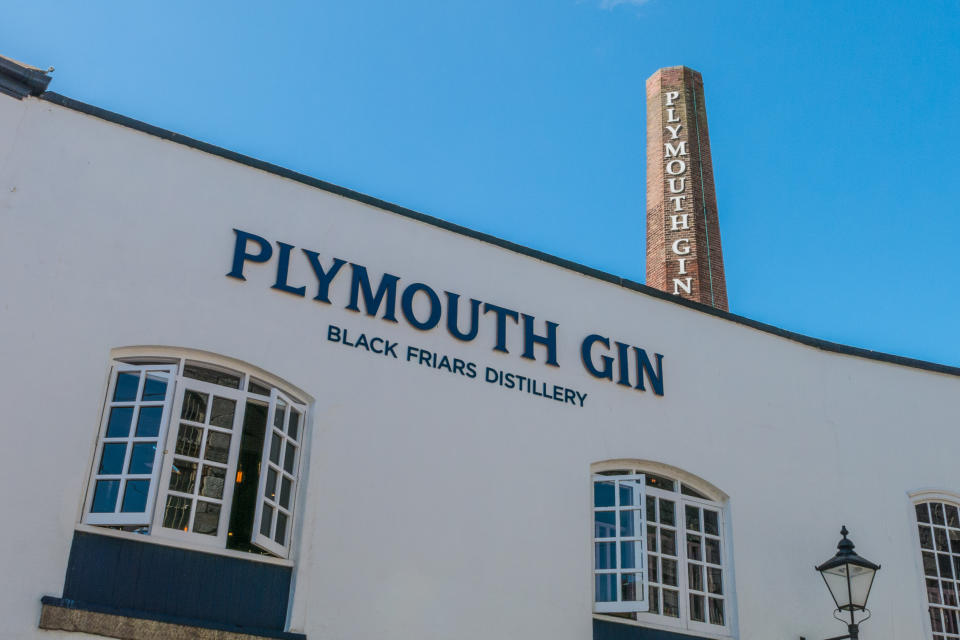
<point>431,504</point>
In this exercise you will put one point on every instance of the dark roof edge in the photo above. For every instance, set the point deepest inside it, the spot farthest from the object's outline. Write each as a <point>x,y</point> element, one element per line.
<point>824,345</point>
<point>20,80</point>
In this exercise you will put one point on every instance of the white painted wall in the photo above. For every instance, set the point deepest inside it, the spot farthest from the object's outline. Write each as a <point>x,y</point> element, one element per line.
<point>436,507</point>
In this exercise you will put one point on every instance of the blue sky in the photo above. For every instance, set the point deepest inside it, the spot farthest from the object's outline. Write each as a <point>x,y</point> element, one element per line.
<point>834,127</point>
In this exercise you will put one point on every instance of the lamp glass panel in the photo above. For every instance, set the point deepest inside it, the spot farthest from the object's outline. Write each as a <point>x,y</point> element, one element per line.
<point>836,579</point>
<point>861,578</point>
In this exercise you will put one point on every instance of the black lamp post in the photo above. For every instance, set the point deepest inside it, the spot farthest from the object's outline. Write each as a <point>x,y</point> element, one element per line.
<point>849,578</point>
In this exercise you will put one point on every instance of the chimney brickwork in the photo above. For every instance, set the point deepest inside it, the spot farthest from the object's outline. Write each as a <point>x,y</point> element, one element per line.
<point>684,255</point>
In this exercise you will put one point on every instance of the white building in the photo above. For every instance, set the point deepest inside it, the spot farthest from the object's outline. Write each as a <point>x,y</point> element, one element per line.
<point>247,403</point>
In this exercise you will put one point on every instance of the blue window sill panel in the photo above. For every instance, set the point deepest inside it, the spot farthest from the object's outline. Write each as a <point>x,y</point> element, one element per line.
<point>58,614</point>
<point>607,630</point>
<point>144,582</point>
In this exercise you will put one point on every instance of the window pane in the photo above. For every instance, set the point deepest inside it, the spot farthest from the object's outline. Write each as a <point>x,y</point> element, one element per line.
<point>256,387</point>
<point>207,519</point>
<point>221,414</point>
<point>135,496</point>
<point>668,542</point>
<point>285,485</point>
<point>716,611</point>
<point>155,387</point>
<point>280,414</point>
<point>669,572</point>
<point>935,619</point>
<point>933,591</point>
<point>696,608</point>
<point>949,593</point>
<point>690,491</point>
<point>183,474</point>
<point>603,495</point>
<point>651,509</point>
<point>604,555</point>
<point>940,535</point>
<point>194,406</point>
<point>218,446</point>
<point>926,537</point>
<point>952,519</point>
<point>713,551</point>
<point>671,603</point>
<point>922,513</point>
<point>955,541</point>
<point>660,482</point>
<point>605,587</point>
<point>119,424</point>
<point>629,494</point>
<point>604,524</point>
<point>293,429</point>
<point>692,518</point>
<point>212,376</point>
<point>148,422</point>
<point>126,389</point>
<point>654,600</point>
<point>281,536</point>
<point>188,440</point>
<point>694,546</point>
<point>176,514</point>
<point>270,489</point>
<point>950,621</point>
<point>667,513</point>
<point>141,458</point>
<point>290,458</point>
<point>275,447</point>
<point>695,576</point>
<point>211,482</point>
<point>630,523</point>
<point>629,584</point>
<point>946,567</point>
<point>652,568</point>
<point>711,522</point>
<point>111,460</point>
<point>929,565</point>
<point>936,512</point>
<point>652,538</point>
<point>714,581</point>
<point>105,496</point>
<point>629,552</point>
<point>266,523</point>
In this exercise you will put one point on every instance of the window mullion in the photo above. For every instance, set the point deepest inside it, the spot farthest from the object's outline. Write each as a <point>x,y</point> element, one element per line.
<point>684,560</point>
<point>618,522</point>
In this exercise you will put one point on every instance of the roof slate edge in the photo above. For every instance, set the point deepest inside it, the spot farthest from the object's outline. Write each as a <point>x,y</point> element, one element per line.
<point>205,147</point>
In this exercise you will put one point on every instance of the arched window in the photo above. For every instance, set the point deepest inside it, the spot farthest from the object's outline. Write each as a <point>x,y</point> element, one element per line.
<point>199,449</point>
<point>938,525</point>
<point>660,556</point>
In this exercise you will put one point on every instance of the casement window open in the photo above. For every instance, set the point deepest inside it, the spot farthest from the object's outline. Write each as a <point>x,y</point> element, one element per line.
<point>194,452</point>
<point>659,557</point>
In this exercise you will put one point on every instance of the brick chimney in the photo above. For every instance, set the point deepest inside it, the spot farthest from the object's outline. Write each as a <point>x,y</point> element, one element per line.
<point>683,236</point>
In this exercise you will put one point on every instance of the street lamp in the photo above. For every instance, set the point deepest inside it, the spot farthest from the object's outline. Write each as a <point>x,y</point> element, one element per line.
<point>849,578</point>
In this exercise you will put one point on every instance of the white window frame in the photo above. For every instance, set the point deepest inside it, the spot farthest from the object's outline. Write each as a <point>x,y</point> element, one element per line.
<point>716,501</point>
<point>118,517</point>
<point>926,497</point>
<point>173,363</point>
<point>636,483</point>
<point>170,456</point>
<point>265,497</point>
